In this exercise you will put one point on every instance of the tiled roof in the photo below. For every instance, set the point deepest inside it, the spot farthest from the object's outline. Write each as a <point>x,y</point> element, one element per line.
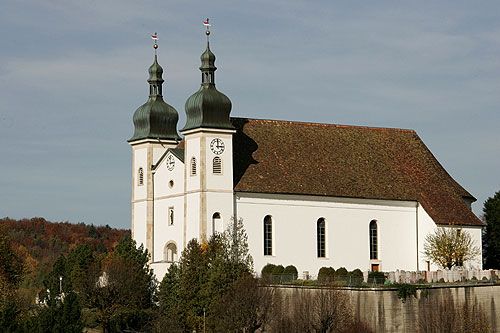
<point>288,157</point>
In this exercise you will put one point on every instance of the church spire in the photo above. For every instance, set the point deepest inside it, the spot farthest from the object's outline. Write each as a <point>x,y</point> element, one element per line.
<point>208,107</point>
<point>208,60</point>
<point>155,119</point>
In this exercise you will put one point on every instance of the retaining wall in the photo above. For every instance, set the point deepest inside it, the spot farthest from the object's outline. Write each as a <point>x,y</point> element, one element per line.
<point>385,312</point>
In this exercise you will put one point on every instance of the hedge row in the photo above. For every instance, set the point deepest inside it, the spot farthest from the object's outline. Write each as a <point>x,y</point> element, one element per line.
<point>278,273</point>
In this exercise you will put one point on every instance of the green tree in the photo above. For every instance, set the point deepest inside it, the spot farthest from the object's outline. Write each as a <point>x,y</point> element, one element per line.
<point>491,241</point>
<point>61,315</point>
<point>123,294</point>
<point>191,292</point>
<point>450,247</point>
<point>236,240</point>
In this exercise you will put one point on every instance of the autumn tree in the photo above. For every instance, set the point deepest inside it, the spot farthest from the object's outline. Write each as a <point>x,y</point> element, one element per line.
<point>11,274</point>
<point>491,244</point>
<point>448,247</point>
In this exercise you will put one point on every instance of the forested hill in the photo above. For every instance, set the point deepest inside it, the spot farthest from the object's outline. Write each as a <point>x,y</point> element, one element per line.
<point>40,242</point>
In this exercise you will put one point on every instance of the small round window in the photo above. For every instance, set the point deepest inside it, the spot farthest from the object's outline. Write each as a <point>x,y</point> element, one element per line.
<point>171,184</point>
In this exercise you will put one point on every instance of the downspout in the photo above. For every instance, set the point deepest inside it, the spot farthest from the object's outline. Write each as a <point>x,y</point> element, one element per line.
<point>416,228</point>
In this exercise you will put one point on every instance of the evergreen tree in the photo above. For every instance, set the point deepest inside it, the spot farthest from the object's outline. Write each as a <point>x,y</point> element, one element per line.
<point>192,292</point>
<point>61,315</point>
<point>491,243</point>
<point>123,295</point>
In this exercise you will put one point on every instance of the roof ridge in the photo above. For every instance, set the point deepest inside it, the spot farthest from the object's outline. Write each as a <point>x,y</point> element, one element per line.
<point>327,124</point>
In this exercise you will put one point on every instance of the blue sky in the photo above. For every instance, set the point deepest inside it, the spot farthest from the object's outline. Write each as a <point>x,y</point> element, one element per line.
<point>72,74</point>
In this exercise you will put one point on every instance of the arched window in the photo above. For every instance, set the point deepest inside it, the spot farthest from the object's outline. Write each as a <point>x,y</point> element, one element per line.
<point>268,235</point>
<point>216,223</point>
<point>373,240</point>
<point>320,239</point>
<point>170,252</point>
<point>193,166</point>
<point>140,177</point>
<point>217,165</point>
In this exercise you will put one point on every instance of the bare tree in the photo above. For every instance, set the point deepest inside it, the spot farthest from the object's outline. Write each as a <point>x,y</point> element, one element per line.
<point>450,247</point>
<point>316,310</point>
<point>446,316</point>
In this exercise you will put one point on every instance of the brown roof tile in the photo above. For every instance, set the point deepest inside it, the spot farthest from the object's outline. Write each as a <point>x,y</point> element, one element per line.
<point>272,156</point>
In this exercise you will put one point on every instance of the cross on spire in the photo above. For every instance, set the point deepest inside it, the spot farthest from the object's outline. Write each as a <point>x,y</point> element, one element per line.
<point>154,37</point>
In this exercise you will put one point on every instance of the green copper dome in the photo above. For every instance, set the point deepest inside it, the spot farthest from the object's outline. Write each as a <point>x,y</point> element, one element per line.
<point>155,119</point>
<point>208,107</point>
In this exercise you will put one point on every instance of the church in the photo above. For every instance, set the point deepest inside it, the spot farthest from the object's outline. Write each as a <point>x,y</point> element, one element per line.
<point>309,194</point>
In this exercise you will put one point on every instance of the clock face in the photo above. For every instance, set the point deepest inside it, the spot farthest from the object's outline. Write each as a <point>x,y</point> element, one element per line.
<point>217,146</point>
<point>170,162</point>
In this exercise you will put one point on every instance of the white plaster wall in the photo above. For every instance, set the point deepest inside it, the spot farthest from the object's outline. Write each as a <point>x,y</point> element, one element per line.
<point>159,150</point>
<point>139,225</point>
<point>163,232</point>
<point>425,226</point>
<point>192,217</point>
<point>222,203</point>
<point>192,150</point>
<point>163,176</point>
<point>222,181</point>
<point>347,227</point>
<point>139,161</point>
<point>476,233</point>
<point>160,269</point>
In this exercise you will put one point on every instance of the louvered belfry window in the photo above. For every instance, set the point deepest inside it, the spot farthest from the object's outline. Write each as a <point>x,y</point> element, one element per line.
<point>140,177</point>
<point>193,166</point>
<point>217,165</point>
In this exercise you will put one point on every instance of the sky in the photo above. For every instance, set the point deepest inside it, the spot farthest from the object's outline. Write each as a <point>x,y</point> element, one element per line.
<point>72,73</point>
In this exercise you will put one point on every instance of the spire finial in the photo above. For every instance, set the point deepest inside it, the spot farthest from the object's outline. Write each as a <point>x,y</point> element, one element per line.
<point>154,37</point>
<point>207,32</point>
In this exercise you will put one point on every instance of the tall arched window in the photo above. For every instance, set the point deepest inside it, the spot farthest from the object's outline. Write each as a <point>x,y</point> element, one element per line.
<point>140,177</point>
<point>320,237</point>
<point>216,223</point>
<point>170,252</point>
<point>193,166</point>
<point>217,165</point>
<point>373,240</point>
<point>268,235</point>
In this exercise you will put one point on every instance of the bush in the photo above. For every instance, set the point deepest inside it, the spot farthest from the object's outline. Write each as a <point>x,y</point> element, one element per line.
<point>356,277</point>
<point>326,275</point>
<point>342,274</point>
<point>376,277</point>
<point>406,290</point>
<point>267,270</point>
<point>291,272</point>
<point>278,270</point>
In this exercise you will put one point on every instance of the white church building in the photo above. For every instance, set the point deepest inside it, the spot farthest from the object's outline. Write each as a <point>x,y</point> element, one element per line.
<point>309,194</point>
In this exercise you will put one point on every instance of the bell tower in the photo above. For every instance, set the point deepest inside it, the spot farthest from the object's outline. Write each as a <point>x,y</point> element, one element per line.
<point>208,156</point>
<point>155,130</point>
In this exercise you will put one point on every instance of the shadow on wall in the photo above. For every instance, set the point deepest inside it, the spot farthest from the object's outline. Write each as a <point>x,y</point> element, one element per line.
<point>246,146</point>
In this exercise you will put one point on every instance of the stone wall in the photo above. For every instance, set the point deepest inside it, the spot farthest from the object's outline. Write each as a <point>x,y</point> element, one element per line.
<point>385,312</point>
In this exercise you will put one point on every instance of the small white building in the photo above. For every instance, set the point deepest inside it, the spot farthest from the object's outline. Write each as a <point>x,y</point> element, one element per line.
<point>309,194</point>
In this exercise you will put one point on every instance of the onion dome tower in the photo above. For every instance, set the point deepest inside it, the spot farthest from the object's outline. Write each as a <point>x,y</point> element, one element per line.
<point>208,107</point>
<point>155,119</point>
